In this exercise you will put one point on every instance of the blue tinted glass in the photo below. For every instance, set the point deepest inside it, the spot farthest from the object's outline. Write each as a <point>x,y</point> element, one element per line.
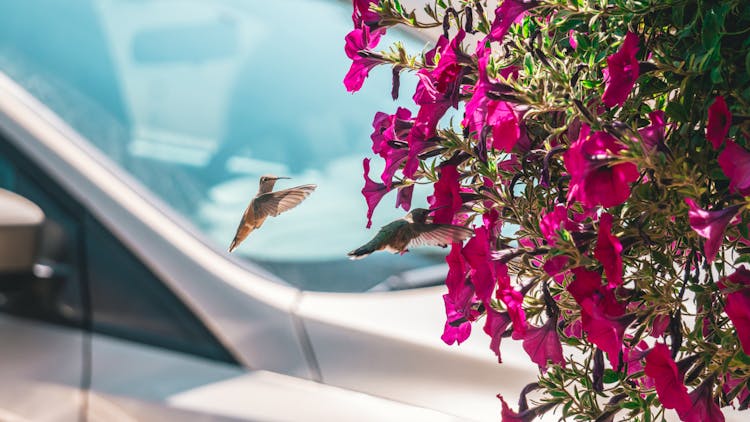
<point>198,98</point>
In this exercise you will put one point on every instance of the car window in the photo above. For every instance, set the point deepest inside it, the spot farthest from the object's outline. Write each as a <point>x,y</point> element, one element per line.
<point>198,98</point>
<point>128,301</point>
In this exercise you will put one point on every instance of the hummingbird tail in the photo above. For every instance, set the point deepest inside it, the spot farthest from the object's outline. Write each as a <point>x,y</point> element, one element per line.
<point>234,245</point>
<point>360,253</point>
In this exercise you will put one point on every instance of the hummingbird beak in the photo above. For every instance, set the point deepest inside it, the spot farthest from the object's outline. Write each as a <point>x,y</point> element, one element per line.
<point>281,177</point>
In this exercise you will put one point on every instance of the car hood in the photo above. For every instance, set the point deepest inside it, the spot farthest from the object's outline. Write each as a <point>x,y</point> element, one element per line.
<point>388,344</point>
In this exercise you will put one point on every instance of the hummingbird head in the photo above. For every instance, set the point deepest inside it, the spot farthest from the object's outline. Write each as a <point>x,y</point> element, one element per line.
<point>417,215</point>
<point>267,181</point>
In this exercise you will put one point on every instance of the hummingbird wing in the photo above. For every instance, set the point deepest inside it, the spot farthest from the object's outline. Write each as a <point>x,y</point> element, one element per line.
<point>274,203</point>
<point>439,235</point>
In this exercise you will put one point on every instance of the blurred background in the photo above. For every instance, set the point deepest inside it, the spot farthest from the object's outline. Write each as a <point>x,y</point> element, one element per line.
<point>140,129</point>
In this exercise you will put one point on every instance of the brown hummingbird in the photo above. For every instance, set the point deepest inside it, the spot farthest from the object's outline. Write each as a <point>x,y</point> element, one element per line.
<point>268,203</point>
<point>411,231</point>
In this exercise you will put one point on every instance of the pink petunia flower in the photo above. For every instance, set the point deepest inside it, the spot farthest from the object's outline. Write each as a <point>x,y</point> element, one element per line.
<point>621,73</point>
<point>653,134</point>
<point>719,122</point>
<point>362,13</point>
<point>670,388</point>
<point>512,298</point>
<point>608,251</point>
<point>460,290</point>
<point>738,304</point>
<point>390,129</point>
<point>446,196</point>
<point>602,316</point>
<point>710,225</point>
<point>509,12</point>
<point>437,90</point>
<point>593,179</point>
<point>730,383</point>
<point>495,325</point>
<point>572,39</point>
<point>373,192</point>
<point>503,119</point>
<point>550,223</point>
<point>735,162</point>
<point>542,344</point>
<point>360,39</point>
<point>454,331</point>
<point>477,254</point>
<point>403,197</point>
<point>703,406</point>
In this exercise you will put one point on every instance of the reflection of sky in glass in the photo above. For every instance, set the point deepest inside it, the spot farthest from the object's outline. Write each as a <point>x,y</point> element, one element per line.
<point>199,98</point>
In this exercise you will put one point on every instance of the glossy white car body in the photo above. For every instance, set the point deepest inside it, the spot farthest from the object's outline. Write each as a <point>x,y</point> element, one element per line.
<point>302,355</point>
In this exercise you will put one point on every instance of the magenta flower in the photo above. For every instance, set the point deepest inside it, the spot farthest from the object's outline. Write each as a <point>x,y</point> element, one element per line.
<point>495,325</point>
<point>509,12</point>
<point>477,254</point>
<point>669,385</point>
<point>602,316</point>
<point>457,329</point>
<point>593,179</point>
<point>735,162</point>
<point>659,326</point>
<point>550,224</point>
<point>738,304</point>
<point>356,41</point>
<point>621,73</point>
<point>390,130</point>
<point>730,383</point>
<point>437,90</point>
<point>542,344</point>
<point>460,290</point>
<point>653,134</point>
<point>446,196</point>
<point>710,225</point>
<point>362,13</point>
<point>506,129</point>
<point>633,358</point>
<point>482,111</point>
<point>703,407</point>
<point>572,39</point>
<point>608,251</point>
<point>373,192</point>
<point>512,298</point>
<point>719,122</point>
<point>403,198</point>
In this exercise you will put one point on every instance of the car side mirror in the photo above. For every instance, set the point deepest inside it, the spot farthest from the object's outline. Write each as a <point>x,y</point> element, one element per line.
<point>20,224</point>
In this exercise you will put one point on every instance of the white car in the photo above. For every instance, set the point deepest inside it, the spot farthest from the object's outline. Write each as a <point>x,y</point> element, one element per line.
<point>140,129</point>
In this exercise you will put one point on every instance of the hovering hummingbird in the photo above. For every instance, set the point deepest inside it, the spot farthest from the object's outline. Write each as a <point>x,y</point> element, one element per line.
<point>268,203</point>
<point>411,231</point>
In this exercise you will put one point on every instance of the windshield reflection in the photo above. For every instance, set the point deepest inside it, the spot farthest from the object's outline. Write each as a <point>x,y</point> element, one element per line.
<point>199,98</point>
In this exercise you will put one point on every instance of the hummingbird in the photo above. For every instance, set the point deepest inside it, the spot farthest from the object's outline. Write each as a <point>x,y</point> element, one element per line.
<point>411,231</point>
<point>268,203</point>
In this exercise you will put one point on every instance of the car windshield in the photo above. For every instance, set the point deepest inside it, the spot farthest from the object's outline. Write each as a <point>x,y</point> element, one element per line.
<point>197,99</point>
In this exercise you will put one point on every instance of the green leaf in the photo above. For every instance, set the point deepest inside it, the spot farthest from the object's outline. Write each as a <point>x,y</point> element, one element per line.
<point>630,405</point>
<point>676,112</point>
<point>610,376</point>
<point>661,259</point>
<point>528,64</point>
<point>747,62</point>
<point>711,33</point>
<point>716,75</point>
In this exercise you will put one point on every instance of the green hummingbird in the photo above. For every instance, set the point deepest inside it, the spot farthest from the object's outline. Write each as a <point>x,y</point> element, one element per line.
<point>411,231</point>
<point>268,203</point>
